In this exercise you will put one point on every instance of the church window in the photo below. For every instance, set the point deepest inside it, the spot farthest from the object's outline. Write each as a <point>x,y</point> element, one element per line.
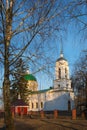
<point>59,85</point>
<point>32,105</point>
<point>59,73</point>
<point>69,105</point>
<point>36,104</point>
<point>65,73</point>
<point>66,76</point>
<point>41,104</point>
<point>65,70</point>
<point>67,85</point>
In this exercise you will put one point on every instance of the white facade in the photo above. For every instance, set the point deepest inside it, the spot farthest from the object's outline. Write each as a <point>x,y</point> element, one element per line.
<point>60,97</point>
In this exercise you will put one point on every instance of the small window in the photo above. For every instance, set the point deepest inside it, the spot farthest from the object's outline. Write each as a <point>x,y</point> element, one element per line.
<point>59,85</point>
<point>65,70</point>
<point>65,73</point>
<point>32,105</point>
<point>41,104</point>
<point>69,105</point>
<point>59,73</point>
<point>36,105</point>
<point>65,76</point>
<point>67,85</point>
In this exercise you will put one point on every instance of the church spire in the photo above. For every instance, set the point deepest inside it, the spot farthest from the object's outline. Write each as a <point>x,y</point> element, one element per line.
<point>61,49</point>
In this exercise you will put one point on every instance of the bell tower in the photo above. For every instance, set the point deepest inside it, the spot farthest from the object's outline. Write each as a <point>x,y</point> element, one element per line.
<point>62,79</point>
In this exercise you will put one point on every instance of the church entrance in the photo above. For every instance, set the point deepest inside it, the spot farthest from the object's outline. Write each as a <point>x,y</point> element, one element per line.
<point>69,105</point>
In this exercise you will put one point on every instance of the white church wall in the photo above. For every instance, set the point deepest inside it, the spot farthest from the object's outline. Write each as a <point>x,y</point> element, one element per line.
<point>51,101</point>
<point>59,101</point>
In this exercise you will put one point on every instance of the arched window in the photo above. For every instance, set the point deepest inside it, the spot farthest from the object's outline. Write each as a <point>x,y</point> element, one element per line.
<point>69,105</point>
<point>32,105</point>
<point>67,85</point>
<point>41,104</point>
<point>59,85</point>
<point>36,104</point>
<point>65,73</point>
<point>59,73</point>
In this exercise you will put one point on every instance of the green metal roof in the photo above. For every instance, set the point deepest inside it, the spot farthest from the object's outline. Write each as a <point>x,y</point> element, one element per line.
<point>29,77</point>
<point>41,91</point>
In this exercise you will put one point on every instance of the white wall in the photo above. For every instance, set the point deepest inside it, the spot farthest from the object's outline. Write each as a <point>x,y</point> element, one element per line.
<point>52,100</point>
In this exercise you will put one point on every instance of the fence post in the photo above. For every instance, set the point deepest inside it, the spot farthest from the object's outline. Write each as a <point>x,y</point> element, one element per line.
<point>13,114</point>
<point>83,115</point>
<point>74,114</point>
<point>55,114</point>
<point>12,110</point>
<point>42,114</point>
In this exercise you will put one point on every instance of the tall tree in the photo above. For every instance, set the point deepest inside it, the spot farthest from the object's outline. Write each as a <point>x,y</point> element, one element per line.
<point>18,84</point>
<point>80,74</point>
<point>7,33</point>
<point>22,23</point>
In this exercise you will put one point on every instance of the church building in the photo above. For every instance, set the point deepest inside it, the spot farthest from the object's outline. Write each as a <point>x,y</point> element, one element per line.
<point>59,97</point>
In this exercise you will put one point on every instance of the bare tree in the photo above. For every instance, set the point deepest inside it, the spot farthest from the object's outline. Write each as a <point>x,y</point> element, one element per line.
<point>22,24</point>
<point>77,14</point>
<point>80,78</point>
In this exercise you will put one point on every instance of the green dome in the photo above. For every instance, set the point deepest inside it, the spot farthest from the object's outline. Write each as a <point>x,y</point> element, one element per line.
<point>29,77</point>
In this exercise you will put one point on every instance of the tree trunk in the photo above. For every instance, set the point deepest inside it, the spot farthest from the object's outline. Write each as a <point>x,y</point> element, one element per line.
<point>6,92</point>
<point>86,92</point>
<point>6,84</point>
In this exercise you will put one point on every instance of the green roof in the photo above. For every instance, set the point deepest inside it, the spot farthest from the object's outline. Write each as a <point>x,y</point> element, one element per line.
<point>41,91</point>
<point>29,77</point>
